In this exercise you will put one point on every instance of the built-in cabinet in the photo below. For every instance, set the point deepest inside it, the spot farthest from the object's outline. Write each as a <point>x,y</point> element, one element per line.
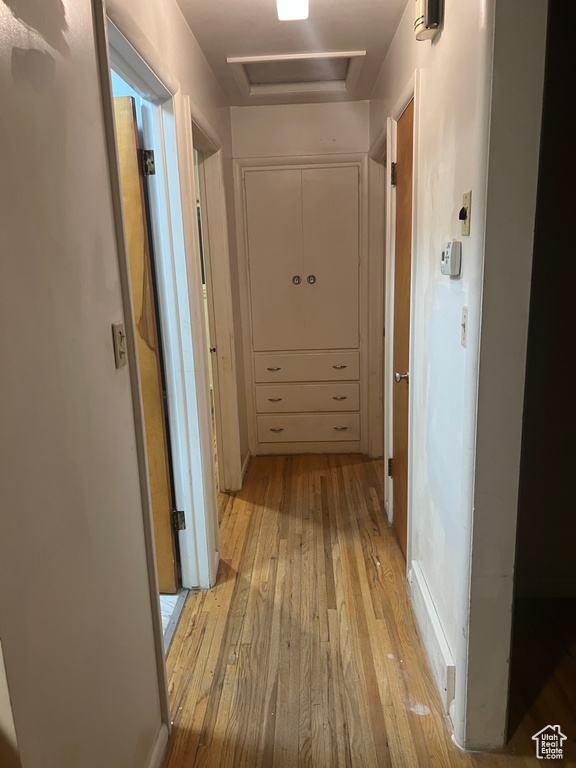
<point>302,237</point>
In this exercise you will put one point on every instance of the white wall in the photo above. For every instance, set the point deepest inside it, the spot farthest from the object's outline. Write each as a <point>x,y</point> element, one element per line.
<point>300,129</point>
<point>451,139</point>
<point>76,611</point>
<point>454,129</point>
<point>75,607</point>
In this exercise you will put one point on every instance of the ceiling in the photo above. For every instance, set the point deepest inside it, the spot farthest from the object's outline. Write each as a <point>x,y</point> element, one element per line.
<point>250,28</point>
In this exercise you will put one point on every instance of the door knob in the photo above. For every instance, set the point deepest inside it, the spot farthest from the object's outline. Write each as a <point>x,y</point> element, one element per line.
<point>400,376</point>
<point>296,279</point>
<point>311,279</point>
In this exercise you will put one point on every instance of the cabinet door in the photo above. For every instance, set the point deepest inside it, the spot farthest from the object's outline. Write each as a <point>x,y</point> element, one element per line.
<point>330,205</point>
<point>275,254</point>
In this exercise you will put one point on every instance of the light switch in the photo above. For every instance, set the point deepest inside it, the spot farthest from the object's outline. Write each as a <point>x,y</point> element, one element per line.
<point>119,338</point>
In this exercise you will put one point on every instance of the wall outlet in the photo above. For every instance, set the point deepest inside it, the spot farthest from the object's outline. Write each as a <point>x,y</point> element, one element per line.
<point>464,326</point>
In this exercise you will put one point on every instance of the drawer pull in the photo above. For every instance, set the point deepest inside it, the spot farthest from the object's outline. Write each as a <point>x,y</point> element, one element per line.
<point>340,429</point>
<point>340,397</point>
<point>274,399</point>
<point>338,367</point>
<point>273,369</point>
<point>278,429</point>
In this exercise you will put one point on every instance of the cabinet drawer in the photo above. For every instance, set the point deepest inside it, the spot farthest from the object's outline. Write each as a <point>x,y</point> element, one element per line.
<point>294,428</point>
<point>322,366</point>
<point>290,398</point>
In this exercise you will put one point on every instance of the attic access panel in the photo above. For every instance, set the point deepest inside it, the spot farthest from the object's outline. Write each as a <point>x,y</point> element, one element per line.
<point>297,73</point>
<point>297,70</point>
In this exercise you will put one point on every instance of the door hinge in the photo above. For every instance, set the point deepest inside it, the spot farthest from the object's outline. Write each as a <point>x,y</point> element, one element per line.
<point>390,467</point>
<point>146,160</point>
<point>393,174</point>
<point>179,520</point>
<point>212,349</point>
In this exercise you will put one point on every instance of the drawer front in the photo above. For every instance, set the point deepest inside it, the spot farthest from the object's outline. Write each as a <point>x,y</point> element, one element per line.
<point>321,427</point>
<point>293,398</point>
<point>323,366</point>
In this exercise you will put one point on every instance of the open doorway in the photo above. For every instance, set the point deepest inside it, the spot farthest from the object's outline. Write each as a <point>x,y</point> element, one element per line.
<point>543,652</point>
<point>136,167</point>
<point>163,318</point>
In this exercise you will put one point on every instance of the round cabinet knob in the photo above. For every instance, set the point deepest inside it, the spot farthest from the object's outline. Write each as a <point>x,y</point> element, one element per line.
<point>311,279</point>
<point>296,279</point>
<point>401,376</point>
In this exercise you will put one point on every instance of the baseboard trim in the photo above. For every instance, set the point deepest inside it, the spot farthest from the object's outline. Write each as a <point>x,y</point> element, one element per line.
<point>159,751</point>
<point>439,654</point>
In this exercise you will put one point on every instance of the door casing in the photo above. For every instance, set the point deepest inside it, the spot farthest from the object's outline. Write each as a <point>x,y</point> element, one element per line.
<point>385,150</point>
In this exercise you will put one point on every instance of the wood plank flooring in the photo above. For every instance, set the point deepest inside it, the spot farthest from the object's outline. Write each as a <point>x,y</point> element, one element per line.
<point>305,653</point>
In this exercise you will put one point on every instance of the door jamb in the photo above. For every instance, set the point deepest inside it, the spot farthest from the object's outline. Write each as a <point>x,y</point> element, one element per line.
<point>219,295</point>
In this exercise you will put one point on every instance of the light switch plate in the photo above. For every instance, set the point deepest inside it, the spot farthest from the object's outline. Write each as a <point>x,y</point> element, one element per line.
<point>119,338</point>
<point>467,204</point>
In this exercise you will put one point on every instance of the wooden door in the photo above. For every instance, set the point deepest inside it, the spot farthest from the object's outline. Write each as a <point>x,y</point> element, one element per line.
<point>274,230</point>
<point>149,362</point>
<point>401,344</point>
<point>330,232</point>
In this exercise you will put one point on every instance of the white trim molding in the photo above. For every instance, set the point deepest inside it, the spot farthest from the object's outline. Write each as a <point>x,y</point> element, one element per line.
<point>437,648</point>
<point>347,86</point>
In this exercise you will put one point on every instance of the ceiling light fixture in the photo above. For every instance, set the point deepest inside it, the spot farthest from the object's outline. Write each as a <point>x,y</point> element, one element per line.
<point>292,10</point>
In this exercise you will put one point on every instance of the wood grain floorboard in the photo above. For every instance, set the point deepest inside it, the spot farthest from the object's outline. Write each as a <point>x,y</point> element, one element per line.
<point>305,654</point>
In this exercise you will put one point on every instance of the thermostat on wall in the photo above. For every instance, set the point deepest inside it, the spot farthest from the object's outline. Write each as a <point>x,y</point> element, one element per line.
<point>451,258</point>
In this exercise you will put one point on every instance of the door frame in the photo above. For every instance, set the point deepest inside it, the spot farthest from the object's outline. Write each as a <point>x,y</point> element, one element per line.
<point>370,339</point>
<point>176,247</point>
<point>384,151</point>
<point>219,296</point>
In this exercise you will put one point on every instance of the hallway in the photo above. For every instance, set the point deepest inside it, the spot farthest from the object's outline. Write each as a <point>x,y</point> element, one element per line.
<point>306,653</point>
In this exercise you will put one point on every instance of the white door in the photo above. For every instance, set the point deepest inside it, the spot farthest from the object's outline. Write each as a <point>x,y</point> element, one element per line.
<point>274,226</point>
<point>330,215</point>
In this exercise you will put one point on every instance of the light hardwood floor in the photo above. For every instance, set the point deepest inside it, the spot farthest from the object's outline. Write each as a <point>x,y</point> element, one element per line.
<point>306,652</point>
